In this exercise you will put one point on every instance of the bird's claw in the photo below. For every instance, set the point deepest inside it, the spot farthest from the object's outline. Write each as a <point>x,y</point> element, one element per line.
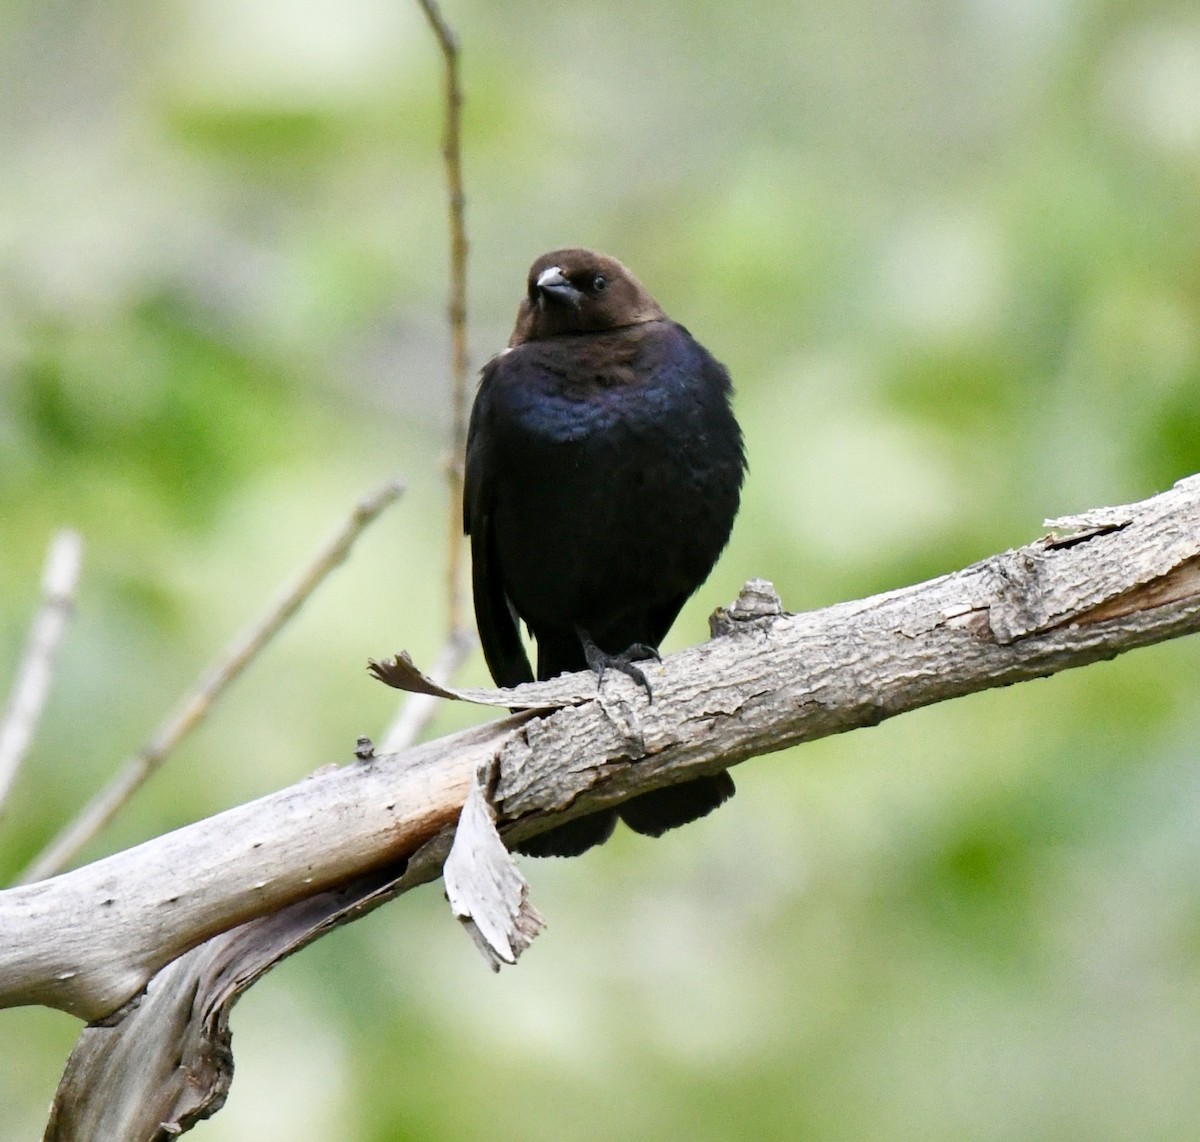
<point>600,661</point>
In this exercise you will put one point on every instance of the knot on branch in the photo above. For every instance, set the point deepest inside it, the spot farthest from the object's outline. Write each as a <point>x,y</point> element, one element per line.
<point>757,604</point>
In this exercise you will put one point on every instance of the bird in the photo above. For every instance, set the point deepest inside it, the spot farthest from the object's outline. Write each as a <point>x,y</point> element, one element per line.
<point>603,472</point>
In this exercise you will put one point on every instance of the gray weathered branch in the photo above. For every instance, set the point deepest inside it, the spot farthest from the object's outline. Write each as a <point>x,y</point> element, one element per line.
<point>89,940</point>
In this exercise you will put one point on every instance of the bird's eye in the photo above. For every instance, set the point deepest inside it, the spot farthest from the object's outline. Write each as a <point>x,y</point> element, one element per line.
<point>599,283</point>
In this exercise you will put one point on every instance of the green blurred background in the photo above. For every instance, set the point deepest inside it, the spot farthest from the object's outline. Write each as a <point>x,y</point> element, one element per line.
<point>950,252</point>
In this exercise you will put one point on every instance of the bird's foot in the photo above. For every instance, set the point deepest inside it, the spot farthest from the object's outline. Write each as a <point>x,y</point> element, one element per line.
<point>600,660</point>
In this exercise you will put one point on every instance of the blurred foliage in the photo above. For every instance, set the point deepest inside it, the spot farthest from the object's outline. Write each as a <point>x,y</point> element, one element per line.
<point>951,254</point>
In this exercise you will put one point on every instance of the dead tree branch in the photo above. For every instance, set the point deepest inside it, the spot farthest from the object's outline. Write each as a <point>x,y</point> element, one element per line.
<point>89,940</point>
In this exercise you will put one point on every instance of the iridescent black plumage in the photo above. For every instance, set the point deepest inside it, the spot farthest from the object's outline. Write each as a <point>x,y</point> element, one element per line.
<point>604,468</point>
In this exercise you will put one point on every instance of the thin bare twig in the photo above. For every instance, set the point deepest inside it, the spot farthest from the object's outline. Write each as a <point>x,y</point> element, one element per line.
<point>452,153</point>
<point>32,684</point>
<point>197,703</point>
<point>418,709</point>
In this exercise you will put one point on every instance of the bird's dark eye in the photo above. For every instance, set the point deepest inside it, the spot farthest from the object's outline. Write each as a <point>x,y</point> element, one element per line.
<point>599,283</point>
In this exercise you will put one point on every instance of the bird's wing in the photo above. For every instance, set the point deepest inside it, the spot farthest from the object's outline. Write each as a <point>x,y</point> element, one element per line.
<point>499,632</point>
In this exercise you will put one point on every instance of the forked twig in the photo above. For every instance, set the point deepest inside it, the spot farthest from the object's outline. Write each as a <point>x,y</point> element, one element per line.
<point>197,703</point>
<point>36,671</point>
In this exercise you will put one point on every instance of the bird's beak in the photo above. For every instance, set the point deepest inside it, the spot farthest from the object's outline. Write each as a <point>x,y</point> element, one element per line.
<point>555,288</point>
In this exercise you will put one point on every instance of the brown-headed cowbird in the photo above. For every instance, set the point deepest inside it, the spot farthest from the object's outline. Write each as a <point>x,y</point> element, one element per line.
<point>604,468</point>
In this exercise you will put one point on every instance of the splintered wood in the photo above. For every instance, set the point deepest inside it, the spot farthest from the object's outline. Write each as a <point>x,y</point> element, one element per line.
<point>487,892</point>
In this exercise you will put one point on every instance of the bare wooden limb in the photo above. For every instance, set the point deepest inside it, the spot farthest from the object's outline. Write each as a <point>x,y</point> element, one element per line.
<point>195,705</point>
<point>31,686</point>
<point>154,1070</point>
<point>118,921</point>
<point>457,308</point>
<point>165,1062</point>
<point>89,940</point>
<point>168,1063</point>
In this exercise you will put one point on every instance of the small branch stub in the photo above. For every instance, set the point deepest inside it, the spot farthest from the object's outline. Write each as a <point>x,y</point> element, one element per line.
<point>757,602</point>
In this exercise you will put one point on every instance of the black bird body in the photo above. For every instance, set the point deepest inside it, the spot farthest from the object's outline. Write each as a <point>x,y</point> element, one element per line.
<point>604,468</point>
<point>607,503</point>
